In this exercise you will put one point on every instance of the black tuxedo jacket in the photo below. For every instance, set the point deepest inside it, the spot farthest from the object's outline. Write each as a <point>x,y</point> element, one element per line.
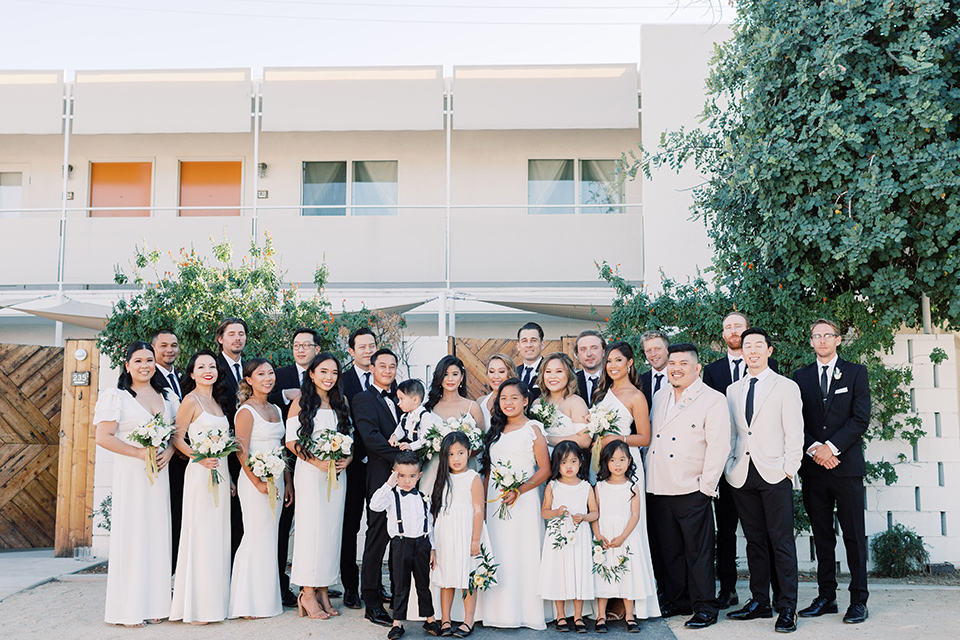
<point>287,378</point>
<point>716,375</point>
<point>350,384</point>
<point>534,389</point>
<point>582,387</point>
<point>374,424</point>
<point>646,386</point>
<point>166,383</point>
<point>232,385</point>
<point>842,419</point>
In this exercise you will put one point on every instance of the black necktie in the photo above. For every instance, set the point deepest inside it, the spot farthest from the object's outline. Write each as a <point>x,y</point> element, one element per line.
<point>736,369</point>
<point>659,378</point>
<point>749,409</point>
<point>236,367</point>
<point>173,384</point>
<point>301,377</point>
<point>525,378</point>
<point>366,381</point>
<point>824,384</point>
<point>591,387</point>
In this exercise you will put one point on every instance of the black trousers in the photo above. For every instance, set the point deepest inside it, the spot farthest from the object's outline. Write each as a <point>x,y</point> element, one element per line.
<point>283,543</point>
<point>354,501</point>
<point>821,494</point>
<point>684,525</point>
<point>236,512</point>
<point>727,520</point>
<point>410,558</point>
<point>766,515</point>
<point>374,548</point>
<point>656,547</point>
<point>177,469</point>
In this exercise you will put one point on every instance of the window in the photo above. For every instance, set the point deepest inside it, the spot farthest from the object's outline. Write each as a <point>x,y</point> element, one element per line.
<point>120,184</point>
<point>566,187</point>
<point>11,193</point>
<point>210,184</point>
<point>372,186</point>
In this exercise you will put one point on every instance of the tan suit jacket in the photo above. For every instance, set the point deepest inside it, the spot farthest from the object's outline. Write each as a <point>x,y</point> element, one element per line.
<point>689,442</point>
<point>774,439</point>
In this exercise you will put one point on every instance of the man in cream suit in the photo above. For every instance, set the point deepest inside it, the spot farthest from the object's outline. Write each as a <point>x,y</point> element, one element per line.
<point>689,444</point>
<point>766,449</point>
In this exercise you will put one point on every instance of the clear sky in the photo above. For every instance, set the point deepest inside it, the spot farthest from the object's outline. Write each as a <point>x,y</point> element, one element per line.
<point>158,34</point>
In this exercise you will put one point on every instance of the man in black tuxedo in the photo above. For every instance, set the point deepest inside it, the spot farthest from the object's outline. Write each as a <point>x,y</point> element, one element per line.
<point>361,344</point>
<point>375,417</point>
<point>231,338</point>
<point>167,349</point>
<point>589,348</point>
<point>306,344</point>
<point>718,375</point>
<point>836,412</point>
<point>655,345</point>
<point>530,348</point>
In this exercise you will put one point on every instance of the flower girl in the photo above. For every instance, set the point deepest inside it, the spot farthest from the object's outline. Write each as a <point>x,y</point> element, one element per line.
<point>458,510</point>
<point>566,570</point>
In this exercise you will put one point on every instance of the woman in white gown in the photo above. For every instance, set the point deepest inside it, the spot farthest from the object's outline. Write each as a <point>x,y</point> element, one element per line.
<point>318,510</point>
<point>138,578</point>
<point>512,437</point>
<point>618,391</point>
<point>201,589</point>
<point>255,582</point>
<point>558,393</point>
<point>500,368</point>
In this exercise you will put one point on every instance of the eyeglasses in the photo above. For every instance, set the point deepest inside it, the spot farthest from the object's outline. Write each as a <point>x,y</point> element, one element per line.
<point>303,346</point>
<point>824,336</point>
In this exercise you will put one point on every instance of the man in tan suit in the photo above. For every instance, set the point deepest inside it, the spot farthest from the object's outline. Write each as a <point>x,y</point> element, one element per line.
<point>689,444</point>
<point>766,449</point>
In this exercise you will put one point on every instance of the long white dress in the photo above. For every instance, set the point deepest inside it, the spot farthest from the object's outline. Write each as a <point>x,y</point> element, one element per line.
<point>201,589</point>
<point>255,582</point>
<point>319,519</point>
<point>453,532</point>
<point>431,466</point>
<point>138,577</point>
<point>514,601</point>
<point>487,414</point>
<point>564,427</point>
<point>567,573</point>
<point>637,583</point>
<point>624,424</point>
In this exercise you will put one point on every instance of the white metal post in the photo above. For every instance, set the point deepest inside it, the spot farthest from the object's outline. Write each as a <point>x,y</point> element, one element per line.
<point>256,154</point>
<point>67,125</point>
<point>448,125</point>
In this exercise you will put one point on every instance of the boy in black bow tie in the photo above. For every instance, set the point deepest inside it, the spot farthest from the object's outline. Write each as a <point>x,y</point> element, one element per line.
<point>410,525</point>
<point>408,435</point>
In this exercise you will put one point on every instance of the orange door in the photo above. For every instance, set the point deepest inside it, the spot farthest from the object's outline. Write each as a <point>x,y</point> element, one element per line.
<point>210,184</point>
<point>120,184</point>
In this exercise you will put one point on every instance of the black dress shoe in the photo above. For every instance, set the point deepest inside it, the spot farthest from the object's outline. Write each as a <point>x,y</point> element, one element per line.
<point>819,607</point>
<point>432,628</point>
<point>351,599</point>
<point>751,611</point>
<point>700,620</point>
<point>395,632</point>
<point>334,593</point>
<point>670,610</point>
<point>727,599</point>
<point>856,613</point>
<point>288,599</point>
<point>786,621</point>
<point>379,616</point>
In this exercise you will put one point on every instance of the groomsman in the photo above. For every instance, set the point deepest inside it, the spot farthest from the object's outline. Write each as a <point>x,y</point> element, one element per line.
<point>836,412</point>
<point>689,445</point>
<point>530,348</point>
<point>231,338</point>
<point>289,379</point>
<point>166,347</point>
<point>654,344</point>
<point>767,444</point>
<point>589,348</point>
<point>361,344</point>
<point>375,417</point>
<point>719,375</point>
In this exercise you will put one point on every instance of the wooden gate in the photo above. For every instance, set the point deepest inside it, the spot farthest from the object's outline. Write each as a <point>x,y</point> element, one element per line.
<point>475,351</point>
<point>31,379</point>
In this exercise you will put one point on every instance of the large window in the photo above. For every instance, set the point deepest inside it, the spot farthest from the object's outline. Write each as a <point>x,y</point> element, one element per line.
<point>11,193</point>
<point>568,186</point>
<point>115,185</point>
<point>372,186</point>
<point>210,184</point>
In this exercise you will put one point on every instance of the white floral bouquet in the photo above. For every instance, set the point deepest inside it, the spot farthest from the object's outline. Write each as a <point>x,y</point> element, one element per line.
<point>484,576</point>
<point>561,530</point>
<point>152,436</point>
<point>545,413</point>
<point>215,443</point>
<point>433,438</point>
<point>506,480</point>
<point>602,423</point>
<point>330,446</point>
<point>610,564</point>
<point>267,465</point>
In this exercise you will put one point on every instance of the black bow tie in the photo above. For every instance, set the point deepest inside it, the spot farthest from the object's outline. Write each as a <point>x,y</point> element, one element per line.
<point>407,493</point>
<point>386,394</point>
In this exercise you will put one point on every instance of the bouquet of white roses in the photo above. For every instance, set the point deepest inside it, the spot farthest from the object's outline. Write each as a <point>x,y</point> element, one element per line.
<point>330,446</point>
<point>561,530</point>
<point>215,443</point>
<point>153,435</point>
<point>545,413</point>
<point>610,564</point>
<point>267,465</point>
<point>506,480</point>
<point>484,576</point>
<point>602,422</point>
<point>433,438</point>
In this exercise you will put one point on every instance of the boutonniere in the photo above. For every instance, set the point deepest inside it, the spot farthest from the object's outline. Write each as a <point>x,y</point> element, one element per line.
<point>837,374</point>
<point>426,500</point>
<point>415,418</point>
<point>684,402</point>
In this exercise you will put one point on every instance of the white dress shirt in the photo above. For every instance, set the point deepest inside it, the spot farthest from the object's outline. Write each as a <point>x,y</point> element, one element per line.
<point>414,510</point>
<point>361,376</point>
<point>233,370</point>
<point>740,366</point>
<point>831,367</point>
<point>761,378</point>
<point>175,382</point>
<point>408,421</point>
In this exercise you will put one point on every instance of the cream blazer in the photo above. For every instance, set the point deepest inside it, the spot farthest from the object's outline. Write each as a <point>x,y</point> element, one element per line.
<point>689,442</point>
<point>774,439</point>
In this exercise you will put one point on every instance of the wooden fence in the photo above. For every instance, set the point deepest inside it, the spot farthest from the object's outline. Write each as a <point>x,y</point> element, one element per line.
<point>475,351</point>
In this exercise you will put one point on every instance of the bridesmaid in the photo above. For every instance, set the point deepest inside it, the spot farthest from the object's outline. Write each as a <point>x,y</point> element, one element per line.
<point>514,438</point>
<point>255,583</point>
<point>558,386</point>
<point>201,589</point>
<point>319,517</point>
<point>447,399</point>
<point>138,577</point>
<point>500,368</point>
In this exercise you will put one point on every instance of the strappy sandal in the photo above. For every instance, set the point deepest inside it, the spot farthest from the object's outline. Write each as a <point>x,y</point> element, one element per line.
<point>633,626</point>
<point>446,629</point>
<point>463,630</point>
<point>562,625</point>
<point>579,626</point>
<point>600,626</point>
